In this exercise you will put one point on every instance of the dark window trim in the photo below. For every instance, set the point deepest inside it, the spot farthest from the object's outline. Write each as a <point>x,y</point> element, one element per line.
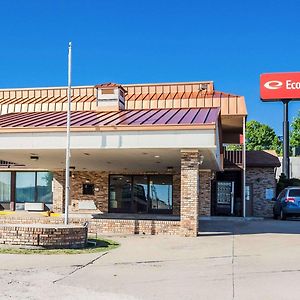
<point>149,209</point>
<point>13,190</point>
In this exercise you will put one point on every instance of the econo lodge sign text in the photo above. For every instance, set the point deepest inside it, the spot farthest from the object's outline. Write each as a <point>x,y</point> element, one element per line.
<point>280,86</point>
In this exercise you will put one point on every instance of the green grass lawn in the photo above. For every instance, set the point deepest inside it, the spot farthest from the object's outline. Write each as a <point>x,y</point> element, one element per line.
<point>95,245</point>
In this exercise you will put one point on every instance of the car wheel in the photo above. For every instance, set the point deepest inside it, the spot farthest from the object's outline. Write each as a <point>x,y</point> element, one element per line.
<point>282,215</point>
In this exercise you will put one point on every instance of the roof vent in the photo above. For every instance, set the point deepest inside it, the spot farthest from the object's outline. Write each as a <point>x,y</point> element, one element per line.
<point>110,97</point>
<point>203,87</point>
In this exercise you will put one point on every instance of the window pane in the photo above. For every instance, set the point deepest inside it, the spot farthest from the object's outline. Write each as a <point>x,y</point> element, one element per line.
<point>120,193</point>
<point>5,178</point>
<point>140,193</point>
<point>25,187</point>
<point>88,189</point>
<point>294,193</point>
<point>44,187</point>
<point>161,192</point>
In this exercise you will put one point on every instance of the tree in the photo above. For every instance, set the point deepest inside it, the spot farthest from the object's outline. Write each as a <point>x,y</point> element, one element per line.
<point>295,133</point>
<point>283,182</point>
<point>261,137</point>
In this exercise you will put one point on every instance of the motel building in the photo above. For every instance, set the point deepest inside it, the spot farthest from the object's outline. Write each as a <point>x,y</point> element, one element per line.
<point>145,158</point>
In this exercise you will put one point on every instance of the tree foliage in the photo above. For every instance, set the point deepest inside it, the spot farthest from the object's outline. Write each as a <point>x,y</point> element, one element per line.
<point>261,137</point>
<point>295,132</point>
<point>283,182</point>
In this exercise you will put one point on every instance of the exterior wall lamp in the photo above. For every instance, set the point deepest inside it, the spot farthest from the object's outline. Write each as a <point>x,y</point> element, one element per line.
<point>201,159</point>
<point>34,157</point>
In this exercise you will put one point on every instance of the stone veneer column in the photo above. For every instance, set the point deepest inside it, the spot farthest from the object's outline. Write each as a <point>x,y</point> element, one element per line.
<point>189,210</point>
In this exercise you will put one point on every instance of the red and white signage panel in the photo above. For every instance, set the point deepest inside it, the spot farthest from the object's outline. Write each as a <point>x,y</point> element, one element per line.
<point>278,86</point>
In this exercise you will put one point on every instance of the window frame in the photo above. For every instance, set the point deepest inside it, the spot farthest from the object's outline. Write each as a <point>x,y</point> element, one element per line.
<point>13,186</point>
<point>149,207</point>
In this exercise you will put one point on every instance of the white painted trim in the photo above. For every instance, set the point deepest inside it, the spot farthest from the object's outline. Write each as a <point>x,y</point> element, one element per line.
<point>93,86</point>
<point>180,139</point>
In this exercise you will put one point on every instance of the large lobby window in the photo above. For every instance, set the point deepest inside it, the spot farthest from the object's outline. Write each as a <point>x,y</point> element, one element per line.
<point>161,192</point>
<point>33,187</point>
<point>140,193</point>
<point>25,187</point>
<point>44,187</point>
<point>5,186</point>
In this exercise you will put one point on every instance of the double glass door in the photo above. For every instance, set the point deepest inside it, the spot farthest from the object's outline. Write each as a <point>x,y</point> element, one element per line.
<point>140,194</point>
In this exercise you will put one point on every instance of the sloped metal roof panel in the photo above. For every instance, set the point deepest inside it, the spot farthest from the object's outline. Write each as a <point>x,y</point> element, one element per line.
<point>152,117</point>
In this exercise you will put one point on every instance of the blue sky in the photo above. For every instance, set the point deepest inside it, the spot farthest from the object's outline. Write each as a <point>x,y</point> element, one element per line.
<point>229,42</point>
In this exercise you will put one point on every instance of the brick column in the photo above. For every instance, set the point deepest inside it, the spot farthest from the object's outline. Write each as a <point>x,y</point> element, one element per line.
<point>58,191</point>
<point>189,210</point>
<point>176,194</point>
<point>205,193</point>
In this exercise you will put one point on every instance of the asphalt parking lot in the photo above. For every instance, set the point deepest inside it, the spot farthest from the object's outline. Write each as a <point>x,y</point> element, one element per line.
<point>229,260</point>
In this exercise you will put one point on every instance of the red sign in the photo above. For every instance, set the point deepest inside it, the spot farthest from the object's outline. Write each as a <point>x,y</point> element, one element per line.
<point>279,86</point>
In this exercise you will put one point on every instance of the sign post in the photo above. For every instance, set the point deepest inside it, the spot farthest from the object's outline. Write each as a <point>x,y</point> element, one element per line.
<point>283,87</point>
<point>286,139</point>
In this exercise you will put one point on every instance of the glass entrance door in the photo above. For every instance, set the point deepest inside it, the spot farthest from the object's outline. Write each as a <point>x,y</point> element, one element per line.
<point>140,194</point>
<point>120,194</point>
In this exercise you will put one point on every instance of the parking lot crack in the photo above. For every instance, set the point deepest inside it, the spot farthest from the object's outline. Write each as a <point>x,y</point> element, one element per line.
<point>80,267</point>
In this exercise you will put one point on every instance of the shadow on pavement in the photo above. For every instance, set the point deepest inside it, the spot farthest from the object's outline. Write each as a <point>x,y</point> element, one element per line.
<point>239,227</point>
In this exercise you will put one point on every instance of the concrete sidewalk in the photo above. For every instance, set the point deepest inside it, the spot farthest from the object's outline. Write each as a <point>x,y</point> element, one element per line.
<point>230,260</point>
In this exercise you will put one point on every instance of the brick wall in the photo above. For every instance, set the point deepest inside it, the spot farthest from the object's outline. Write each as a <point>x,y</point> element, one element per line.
<point>58,191</point>
<point>104,226</point>
<point>259,180</point>
<point>176,194</point>
<point>205,193</point>
<point>100,180</point>
<point>100,197</point>
<point>189,209</point>
<point>43,235</point>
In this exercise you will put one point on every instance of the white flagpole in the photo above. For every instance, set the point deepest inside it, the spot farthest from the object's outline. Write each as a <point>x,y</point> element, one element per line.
<point>68,152</point>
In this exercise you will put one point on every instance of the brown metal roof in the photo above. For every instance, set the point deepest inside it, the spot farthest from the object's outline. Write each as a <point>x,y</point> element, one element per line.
<point>254,159</point>
<point>109,85</point>
<point>262,159</point>
<point>139,96</point>
<point>135,118</point>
